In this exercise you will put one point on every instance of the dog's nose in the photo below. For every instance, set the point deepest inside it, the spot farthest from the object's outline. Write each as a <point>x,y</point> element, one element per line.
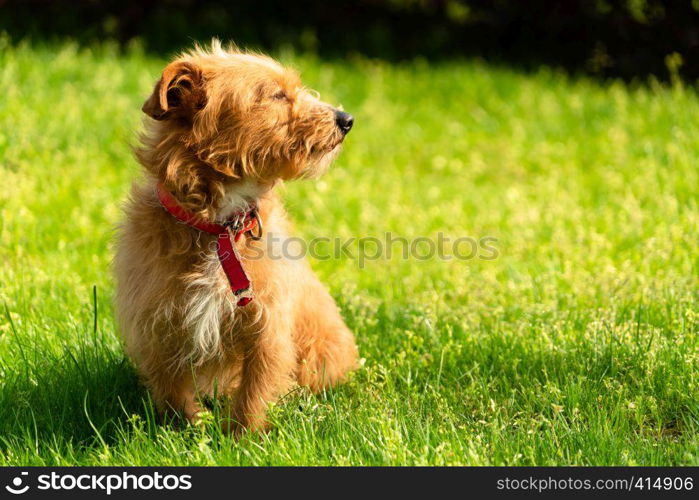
<point>344,121</point>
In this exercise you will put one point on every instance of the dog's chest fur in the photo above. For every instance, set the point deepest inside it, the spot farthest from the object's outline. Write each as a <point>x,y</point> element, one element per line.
<point>161,261</point>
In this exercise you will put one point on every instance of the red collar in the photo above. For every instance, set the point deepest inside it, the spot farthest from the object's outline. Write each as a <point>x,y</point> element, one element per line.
<point>236,226</point>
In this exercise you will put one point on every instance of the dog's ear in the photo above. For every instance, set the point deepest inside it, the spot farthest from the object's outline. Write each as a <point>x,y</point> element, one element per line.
<point>179,93</point>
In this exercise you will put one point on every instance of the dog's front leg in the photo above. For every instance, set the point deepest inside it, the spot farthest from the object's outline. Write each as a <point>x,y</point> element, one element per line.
<point>175,395</point>
<point>268,367</point>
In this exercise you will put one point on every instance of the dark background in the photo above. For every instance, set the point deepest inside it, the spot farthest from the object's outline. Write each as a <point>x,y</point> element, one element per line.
<point>629,38</point>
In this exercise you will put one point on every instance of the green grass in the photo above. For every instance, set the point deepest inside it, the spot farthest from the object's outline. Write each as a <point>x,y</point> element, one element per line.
<point>576,345</point>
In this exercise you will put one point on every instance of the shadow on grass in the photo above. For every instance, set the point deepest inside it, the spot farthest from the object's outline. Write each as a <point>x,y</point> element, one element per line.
<point>76,398</point>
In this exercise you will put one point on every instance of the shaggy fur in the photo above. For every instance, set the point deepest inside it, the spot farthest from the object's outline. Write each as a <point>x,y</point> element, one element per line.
<point>225,128</point>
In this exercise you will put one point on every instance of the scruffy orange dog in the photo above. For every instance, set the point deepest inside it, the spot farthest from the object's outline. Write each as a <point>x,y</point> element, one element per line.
<point>203,312</point>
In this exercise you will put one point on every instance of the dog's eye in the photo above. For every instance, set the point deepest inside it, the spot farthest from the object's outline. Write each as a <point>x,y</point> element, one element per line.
<point>280,96</point>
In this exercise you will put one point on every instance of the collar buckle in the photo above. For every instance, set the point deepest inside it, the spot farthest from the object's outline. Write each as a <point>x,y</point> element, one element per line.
<point>235,225</point>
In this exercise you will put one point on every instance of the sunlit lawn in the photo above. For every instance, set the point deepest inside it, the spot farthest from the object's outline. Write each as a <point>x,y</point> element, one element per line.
<point>577,344</point>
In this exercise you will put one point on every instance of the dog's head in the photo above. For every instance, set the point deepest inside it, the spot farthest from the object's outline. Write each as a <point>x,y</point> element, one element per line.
<point>245,116</point>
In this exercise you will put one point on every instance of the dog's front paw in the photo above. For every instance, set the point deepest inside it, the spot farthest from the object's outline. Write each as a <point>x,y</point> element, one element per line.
<point>241,420</point>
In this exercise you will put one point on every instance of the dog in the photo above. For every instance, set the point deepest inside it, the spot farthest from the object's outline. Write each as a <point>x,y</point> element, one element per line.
<point>203,307</point>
